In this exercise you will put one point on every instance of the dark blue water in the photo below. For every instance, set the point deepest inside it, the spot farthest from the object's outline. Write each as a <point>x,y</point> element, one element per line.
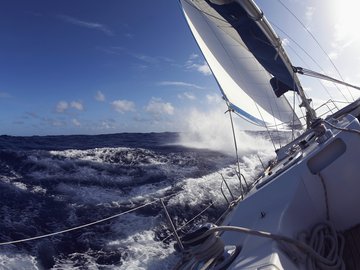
<point>54,183</point>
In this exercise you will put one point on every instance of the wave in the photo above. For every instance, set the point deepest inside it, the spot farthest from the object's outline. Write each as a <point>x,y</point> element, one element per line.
<point>47,190</point>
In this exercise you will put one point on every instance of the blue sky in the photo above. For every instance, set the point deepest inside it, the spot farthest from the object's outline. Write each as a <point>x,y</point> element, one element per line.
<point>91,67</point>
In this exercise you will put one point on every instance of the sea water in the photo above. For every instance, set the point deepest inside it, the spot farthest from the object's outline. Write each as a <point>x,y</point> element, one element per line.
<point>53,183</point>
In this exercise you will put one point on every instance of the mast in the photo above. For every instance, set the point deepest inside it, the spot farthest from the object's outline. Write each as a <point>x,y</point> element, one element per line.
<point>256,14</point>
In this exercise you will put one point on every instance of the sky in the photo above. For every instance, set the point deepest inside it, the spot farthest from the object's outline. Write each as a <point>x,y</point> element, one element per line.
<point>95,67</point>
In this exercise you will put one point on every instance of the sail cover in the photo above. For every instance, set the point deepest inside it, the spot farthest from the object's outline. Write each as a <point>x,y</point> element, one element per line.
<point>248,63</point>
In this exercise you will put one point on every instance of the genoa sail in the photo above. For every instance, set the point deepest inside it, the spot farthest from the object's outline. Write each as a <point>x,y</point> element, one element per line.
<point>247,61</point>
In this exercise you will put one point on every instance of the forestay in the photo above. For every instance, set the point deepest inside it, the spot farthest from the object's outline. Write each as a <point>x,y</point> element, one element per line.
<point>242,77</point>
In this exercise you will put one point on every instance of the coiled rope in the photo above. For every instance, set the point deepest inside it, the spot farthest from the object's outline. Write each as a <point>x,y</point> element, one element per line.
<point>323,250</point>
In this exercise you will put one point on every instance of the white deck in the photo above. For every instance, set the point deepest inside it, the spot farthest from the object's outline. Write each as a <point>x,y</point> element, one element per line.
<point>293,201</point>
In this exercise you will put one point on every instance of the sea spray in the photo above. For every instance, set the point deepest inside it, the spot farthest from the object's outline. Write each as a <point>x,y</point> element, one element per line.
<point>212,130</point>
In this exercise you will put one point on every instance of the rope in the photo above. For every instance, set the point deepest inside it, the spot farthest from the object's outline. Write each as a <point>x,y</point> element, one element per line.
<point>342,129</point>
<point>319,257</point>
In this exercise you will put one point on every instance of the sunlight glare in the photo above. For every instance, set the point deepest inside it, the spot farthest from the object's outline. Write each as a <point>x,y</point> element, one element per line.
<point>346,20</point>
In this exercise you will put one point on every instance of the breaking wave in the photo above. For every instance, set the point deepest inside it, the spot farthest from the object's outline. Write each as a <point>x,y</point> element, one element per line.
<point>54,183</point>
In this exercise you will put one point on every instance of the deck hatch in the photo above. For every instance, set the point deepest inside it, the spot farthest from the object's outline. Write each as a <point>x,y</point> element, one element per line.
<point>326,156</point>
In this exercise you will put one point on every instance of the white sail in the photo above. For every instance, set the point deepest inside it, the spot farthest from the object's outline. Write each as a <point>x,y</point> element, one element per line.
<point>244,82</point>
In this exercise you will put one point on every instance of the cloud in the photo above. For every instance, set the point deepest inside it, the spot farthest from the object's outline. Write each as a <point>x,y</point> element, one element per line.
<point>108,124</point>
<point>123,106</point>
<point>187,95</point>
<point>62,106</point>
<point>56,123</point>
<point>129,35</point>
<point>193,56</point>
<point>151,59</point>
<point>146,58</point>
<point>76,122</point>
<point>194,63</point>
<point>4,95</point>
<point>91,25</point>
<point>143,60</point>
<point>177,83</point>
<point>204,69</point>
<point>100,96</point>
<point>77,105</point>
<point>31,115</point>
<point>157,107</point>
<point>213,99</point>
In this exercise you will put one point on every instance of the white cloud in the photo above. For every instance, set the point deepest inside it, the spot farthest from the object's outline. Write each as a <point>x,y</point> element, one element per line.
<point>187,95</point>
<point>100,96</point>
<point>123,106</point>
<point>107,124</point>
<point>4,95</point>
<point>194,63</point>
<point>151,59</point>
<point>76,122</point>
<point>204,69</point>
<point>157,107</point>
<point>345,36</point>
<point>57,123</point>
<point>177,83</point>
<point>193,56</point>
<point>213,99</point>
<point>91,25</point>
<point>77,105</point>
<point>62,106</point>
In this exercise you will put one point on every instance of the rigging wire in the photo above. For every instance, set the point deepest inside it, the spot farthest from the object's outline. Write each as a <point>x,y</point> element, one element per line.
<point>317,42</point>
<point>189,221</point>
<point>312,58</point>
<point>321,83</point>
<point>235,145</point>
<point>266,126</point>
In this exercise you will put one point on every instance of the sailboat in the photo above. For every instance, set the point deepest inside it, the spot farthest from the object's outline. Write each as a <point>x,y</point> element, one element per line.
<point>303,211</point>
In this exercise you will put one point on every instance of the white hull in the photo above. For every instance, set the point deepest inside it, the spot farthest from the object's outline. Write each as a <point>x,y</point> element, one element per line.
<point>290,199</point>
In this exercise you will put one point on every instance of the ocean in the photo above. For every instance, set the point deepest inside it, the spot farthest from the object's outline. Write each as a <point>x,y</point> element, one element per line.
<point>53,183</point>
